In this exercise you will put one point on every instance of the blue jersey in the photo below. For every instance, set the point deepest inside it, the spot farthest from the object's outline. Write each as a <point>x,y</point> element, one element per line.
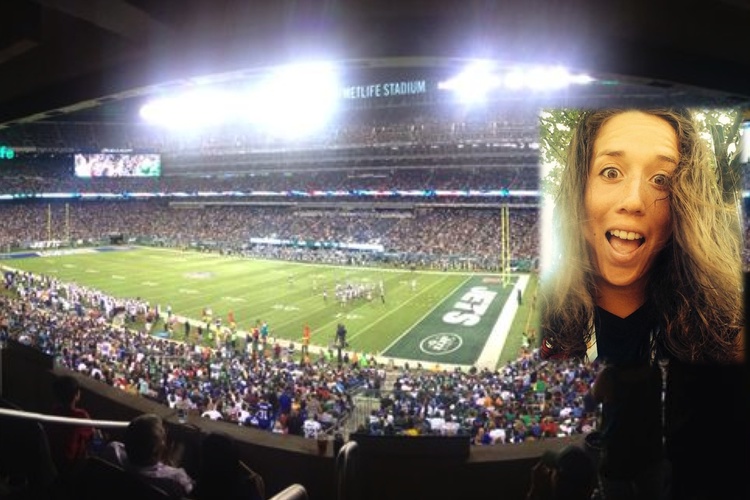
<point>285,403</point>
<point>264,415</point>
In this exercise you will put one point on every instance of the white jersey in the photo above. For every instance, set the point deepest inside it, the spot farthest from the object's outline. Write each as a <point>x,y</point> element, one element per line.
<point>311,428</point>
<point>212,414</point>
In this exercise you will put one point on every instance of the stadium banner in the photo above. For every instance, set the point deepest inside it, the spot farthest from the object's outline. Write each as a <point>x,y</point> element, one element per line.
<point>456,331</point>
<point>365,247</point>
<point>385,89</point>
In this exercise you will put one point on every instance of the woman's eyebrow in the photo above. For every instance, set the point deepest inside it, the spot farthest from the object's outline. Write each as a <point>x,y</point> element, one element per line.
<point>608,152</point>
<point>668,159</point>
<point>620,154</point>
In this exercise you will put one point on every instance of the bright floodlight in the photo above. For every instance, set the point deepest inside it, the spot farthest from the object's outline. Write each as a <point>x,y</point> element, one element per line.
<point>289,101</point>
<point>541,78</point>
<point>474,83</point>
<point>480,78</point>
<point>294,100</point>
<point>158,111</point>
<point>544,78</point>
<point>192,109</point>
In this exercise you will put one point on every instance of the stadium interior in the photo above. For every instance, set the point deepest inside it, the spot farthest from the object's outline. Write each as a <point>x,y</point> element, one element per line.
<point>340,133</point>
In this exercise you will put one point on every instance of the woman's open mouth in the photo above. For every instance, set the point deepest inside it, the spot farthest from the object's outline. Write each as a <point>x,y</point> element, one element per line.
<point>625,241</point>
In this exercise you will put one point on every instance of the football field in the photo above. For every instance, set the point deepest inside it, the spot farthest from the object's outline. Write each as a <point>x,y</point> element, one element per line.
<point>444,317</point>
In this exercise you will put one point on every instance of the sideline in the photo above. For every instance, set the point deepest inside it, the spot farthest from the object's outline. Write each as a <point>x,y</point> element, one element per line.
<point>496,340</point>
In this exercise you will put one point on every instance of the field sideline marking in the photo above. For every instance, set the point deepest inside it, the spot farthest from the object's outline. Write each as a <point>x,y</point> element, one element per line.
<point>408,330</point>
<point>389,313</point>
<point>374,268</point>
<point>494,344</point>
<point>196,258</point>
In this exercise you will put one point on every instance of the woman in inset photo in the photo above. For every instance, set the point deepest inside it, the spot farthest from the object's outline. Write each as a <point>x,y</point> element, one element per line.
<point>644,236</point>
<point>645,280</point>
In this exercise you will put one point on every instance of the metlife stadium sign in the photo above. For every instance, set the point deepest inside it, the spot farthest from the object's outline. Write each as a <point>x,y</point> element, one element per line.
<point>386,89</point>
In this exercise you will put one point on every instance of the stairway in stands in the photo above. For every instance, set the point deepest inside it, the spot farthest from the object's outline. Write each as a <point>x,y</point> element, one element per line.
<point>365,403</point>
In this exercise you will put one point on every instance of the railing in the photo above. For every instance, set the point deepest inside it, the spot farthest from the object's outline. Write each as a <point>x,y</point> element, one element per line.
<point>41,417</point>
<point>347,480</point>
<point>292,492</point>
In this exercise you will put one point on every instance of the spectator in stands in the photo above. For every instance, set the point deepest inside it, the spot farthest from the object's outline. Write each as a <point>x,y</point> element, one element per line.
<point>632,465</point>
<point>567,474</point>
<point>223,475</point>
<point>69,444</point>
<point>312,427</point>
<point>144,452</point>
<point>295,423</point>
<point>213,411</point>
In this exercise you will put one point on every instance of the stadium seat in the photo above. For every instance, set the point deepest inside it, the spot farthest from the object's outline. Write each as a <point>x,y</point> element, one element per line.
<point>102,479</point>
<point>25,458</point>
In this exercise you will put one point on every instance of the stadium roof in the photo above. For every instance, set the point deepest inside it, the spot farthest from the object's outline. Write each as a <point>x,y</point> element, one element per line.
<point>63,58</point>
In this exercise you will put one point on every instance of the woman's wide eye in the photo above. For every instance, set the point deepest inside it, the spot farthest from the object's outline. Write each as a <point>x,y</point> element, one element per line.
<point>661,180</point>
<point>610,173</point>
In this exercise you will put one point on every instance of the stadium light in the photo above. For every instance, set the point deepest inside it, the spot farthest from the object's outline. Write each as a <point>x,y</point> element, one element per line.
<point>211,107</point>
<point>288,101</point>
<point>473,83</point>
<point>294,100</point>
<point>481,77</point>
<point>195,108</point>
<point>153,111</point>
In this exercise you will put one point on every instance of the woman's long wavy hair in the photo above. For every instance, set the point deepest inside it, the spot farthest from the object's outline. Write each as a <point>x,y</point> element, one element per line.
<point>695,284</point>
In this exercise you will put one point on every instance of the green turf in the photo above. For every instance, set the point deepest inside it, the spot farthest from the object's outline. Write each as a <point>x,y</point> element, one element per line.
<point>527,317</point>
<point>284,294</point>
<point>456,327</point>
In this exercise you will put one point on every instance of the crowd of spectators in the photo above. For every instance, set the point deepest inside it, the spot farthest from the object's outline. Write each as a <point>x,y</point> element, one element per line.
<point>388,150</point>
<point>44,174</point>
<point>363,128</point>
<point>383,152</point>
<point>526,399</point>
<point>223,383</point>
<point>431,235</point>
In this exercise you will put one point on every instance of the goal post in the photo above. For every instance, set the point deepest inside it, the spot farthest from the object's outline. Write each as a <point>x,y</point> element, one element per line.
<point>505,254</point>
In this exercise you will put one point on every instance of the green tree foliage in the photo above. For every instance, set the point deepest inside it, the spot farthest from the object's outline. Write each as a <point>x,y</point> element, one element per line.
<point>555,131</point>
<point>719,127</point>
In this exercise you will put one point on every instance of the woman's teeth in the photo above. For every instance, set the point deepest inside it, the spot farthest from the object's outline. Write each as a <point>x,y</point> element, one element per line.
<point>626,235</point>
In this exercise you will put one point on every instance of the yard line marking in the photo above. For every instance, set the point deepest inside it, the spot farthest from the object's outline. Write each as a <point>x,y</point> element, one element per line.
<point>329,266</point>
<point>408,330</point>
<point>284,307</point>
<point>234,299</point>
<point>348,316</point>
